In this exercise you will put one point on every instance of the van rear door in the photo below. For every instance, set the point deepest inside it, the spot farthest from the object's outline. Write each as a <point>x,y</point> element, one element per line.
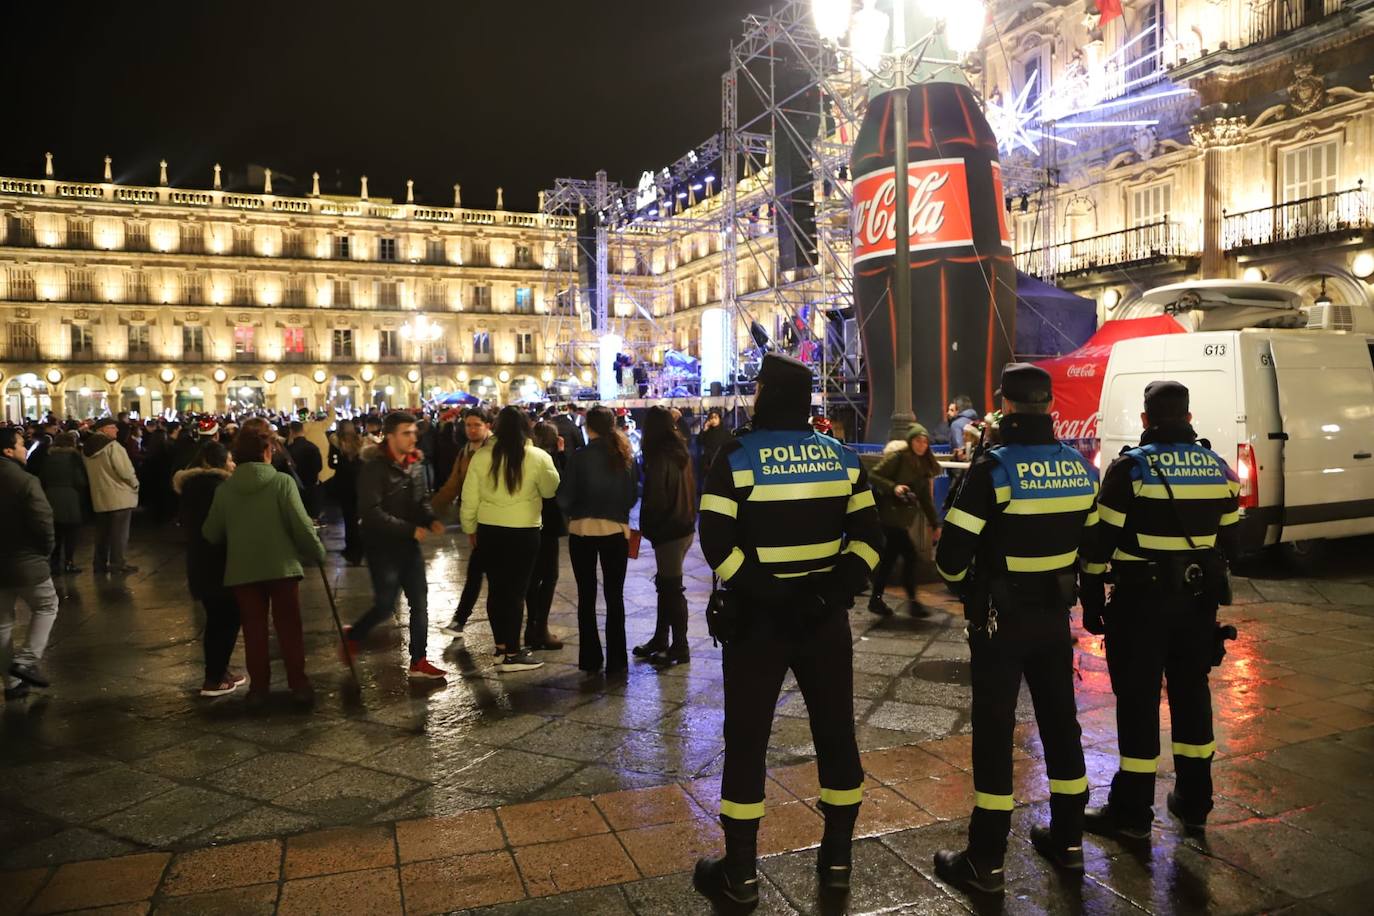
<point>1326,399</point>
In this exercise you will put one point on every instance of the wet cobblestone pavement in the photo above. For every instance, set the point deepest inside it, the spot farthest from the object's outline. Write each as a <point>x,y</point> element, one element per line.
<point>554,792</point>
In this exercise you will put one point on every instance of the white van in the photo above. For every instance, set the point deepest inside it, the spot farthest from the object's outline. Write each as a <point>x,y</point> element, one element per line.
<point>1292,410</point>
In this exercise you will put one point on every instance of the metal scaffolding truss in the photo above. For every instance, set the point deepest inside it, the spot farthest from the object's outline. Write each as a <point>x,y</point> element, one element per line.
<point>633,250</point>
<point>788,97</point>
<point>785,95</point>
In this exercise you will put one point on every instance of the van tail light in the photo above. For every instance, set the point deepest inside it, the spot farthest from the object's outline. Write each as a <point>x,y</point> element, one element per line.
<point>1248,473</point>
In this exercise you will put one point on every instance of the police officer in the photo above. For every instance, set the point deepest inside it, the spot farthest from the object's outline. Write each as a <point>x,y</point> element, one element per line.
<point>789,525</point>
<point>1010,547</point>
<point>1167,506</point>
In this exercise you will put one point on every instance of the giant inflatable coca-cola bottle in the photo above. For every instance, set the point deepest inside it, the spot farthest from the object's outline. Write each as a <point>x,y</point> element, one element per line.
<point>963,282</point>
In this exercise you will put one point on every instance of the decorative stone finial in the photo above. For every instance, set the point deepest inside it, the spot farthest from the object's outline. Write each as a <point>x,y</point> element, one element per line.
<point>410,191</point>
<point>47,165</point>
<point>364,194</point>
<point>541,201</point>
<point>162,173</point>
<point>108,174</point>
<point>217,183</point>
<point>314,184</point>
<point>500,199</point>
<point>267,181</point>
<point>458,195</point>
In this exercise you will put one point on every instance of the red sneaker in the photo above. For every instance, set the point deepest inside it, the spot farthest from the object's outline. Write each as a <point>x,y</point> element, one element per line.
<point>348,649</point>
<point>424,669</point>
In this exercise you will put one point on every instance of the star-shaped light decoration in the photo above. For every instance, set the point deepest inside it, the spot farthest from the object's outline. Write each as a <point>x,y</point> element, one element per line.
<point>1010,122</point>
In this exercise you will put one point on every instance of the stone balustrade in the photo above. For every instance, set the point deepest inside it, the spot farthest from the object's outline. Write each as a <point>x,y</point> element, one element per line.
<point>322,206</point>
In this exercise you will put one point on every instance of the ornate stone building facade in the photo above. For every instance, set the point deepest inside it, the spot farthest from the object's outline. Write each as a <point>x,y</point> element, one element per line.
<point>1187,139</point>
<point>154,298</point>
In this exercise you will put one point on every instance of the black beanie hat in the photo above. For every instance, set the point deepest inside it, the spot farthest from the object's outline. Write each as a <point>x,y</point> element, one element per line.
<point>784,398</point>
<point>1165,401</point>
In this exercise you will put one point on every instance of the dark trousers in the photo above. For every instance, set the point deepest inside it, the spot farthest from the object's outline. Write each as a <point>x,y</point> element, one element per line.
<point>543,581</point>
<point>509,556</point>
<point>472,585</point>
<point>64,552</point>
<point>1034,643</point>
<point>897,545</point>
<point>221,632</point>
<point>282,599</point>
<point>822,660</point>
<point>111,539</point>
<point>1149,639</point>
<point>397,567</point>
<point>612,551</point>
<point>353,532</point>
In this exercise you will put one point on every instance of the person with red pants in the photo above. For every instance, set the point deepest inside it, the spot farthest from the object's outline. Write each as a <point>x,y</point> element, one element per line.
<point>259,515</point>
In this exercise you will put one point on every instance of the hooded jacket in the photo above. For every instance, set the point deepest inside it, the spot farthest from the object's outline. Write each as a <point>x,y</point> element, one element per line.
<point>956,427</point>
<point>26,537</point>
<point>903,468</point>
<point>258,513</point>
<point>204,561</point>
<point>64,481</point>
<point>114,485</point>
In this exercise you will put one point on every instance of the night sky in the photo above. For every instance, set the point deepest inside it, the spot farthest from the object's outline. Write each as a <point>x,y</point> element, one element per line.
<point>482,92</point>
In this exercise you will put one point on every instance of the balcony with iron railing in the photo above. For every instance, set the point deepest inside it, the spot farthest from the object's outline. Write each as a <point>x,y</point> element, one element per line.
<point>1158,241</point>
<point>1340,213</point>
<point>1266,19</point>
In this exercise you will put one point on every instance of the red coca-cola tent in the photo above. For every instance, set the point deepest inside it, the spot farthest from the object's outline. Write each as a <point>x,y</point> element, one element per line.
<point>1078,375</point>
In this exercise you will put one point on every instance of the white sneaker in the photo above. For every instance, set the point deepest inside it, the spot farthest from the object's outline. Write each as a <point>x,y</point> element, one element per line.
<point>524,661</point>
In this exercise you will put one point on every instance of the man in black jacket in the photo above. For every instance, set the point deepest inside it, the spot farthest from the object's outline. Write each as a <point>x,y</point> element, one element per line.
<point>26,542</point>
<point>573,439</point>
<point>309,463</point>
<point>393,505</point>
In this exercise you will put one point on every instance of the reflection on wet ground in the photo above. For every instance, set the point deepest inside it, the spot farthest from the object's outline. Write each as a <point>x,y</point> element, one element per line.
<point>593,794</point>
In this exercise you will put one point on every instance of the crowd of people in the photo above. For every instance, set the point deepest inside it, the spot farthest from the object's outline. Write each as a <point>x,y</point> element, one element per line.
<point>252,495</point>
<point>792,523</point>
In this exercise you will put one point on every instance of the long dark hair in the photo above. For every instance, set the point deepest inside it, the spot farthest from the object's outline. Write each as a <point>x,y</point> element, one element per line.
<point>545,436</point>
<point>601,420</point>
<point>512,431</point>
<point>662,441</point>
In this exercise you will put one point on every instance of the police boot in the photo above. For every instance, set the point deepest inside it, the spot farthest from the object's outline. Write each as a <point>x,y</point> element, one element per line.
<point>969,872</point>
<point>732,877</point>
<point>1062,842</point>
<point>979,867</point>
<point>834,859</point>
<point>1191,820</point>
<point>1104,821</point>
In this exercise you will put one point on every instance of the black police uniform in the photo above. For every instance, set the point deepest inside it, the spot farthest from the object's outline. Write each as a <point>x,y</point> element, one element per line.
<point>789,525</point>
<point>1010,545</point>
<point>1168,566</point>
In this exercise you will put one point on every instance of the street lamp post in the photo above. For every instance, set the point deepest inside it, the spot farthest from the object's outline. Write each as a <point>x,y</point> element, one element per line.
<point>868,31</point>
<point>424,332</point>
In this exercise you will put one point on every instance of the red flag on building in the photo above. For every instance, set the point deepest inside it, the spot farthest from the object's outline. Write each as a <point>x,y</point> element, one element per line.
<point>1107,10</point>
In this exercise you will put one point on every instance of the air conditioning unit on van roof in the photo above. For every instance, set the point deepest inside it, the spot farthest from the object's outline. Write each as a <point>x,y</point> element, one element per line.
<point>1330,317</point>
<point>1229,305</point>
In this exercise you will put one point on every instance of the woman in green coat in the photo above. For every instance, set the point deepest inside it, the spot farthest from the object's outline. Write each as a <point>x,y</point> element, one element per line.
<point>64,481</point>
<point>902,482</point>
<point>258,513</point>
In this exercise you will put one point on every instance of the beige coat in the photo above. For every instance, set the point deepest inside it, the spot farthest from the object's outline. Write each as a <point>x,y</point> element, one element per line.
<point>114,485</point>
